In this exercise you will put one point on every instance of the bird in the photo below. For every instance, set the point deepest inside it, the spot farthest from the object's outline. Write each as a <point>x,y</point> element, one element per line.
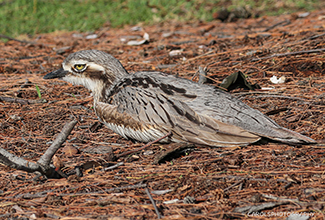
<point>146,106</point>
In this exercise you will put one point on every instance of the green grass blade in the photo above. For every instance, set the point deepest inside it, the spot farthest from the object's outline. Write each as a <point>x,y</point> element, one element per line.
<point>38,91</point>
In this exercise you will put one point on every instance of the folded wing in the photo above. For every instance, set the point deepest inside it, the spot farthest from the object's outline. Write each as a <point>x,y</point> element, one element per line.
<point>161,113</point>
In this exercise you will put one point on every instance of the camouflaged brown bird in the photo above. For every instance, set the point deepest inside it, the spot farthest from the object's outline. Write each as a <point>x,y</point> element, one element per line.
<point>145,106</point>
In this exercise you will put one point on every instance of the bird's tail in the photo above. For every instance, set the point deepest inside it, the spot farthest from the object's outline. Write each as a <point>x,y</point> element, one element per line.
<point>291,137</point>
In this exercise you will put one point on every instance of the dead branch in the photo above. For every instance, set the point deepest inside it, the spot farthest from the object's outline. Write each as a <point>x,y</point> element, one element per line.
<point>47,156</point>
<point>17,163</point>
<point>43,164</point>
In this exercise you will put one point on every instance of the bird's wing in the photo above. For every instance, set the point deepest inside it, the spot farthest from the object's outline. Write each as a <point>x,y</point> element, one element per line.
<point>161,112</point>
<point>223,107</point>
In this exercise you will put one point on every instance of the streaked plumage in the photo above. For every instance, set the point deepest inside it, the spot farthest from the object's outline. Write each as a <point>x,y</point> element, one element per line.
<point>147,105</point>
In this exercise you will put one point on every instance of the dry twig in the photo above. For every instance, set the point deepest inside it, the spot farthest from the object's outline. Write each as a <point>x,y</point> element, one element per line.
<point>235,184</point>
<point>11,38</point>
<point>283,23</point>
<point>114,166</point>
<point>21,101</point>
<point>143,147</point>
<point>289,54</point>
<point>153,203</point>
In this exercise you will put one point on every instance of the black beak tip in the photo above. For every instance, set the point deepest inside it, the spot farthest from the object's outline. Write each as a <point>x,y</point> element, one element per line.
<point>60,73</point>
<point>48,76</point>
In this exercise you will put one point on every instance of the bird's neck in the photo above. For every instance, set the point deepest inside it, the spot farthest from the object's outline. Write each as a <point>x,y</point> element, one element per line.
<point>97,92</point>
<point>101,91</point>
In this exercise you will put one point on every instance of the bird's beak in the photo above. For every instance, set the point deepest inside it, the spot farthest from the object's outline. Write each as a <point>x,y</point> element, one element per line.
<point>60,73</point>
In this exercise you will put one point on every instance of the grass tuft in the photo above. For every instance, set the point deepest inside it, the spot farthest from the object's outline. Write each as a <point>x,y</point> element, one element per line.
<point>31,17</point>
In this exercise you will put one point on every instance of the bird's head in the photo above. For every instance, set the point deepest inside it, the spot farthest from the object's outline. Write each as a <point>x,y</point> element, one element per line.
<point>93,69</point>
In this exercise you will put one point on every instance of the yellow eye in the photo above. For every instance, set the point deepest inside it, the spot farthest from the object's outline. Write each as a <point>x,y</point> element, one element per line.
<point>79,67</point>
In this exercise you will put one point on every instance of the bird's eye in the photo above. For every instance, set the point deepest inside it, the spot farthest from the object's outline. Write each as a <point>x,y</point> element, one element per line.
<point>79,67</point>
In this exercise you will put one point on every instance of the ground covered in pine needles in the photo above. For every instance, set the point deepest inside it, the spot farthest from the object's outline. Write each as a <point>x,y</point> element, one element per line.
<point>271,180</point>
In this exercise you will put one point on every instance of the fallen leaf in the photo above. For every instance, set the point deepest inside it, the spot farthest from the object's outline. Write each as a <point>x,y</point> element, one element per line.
<point>57,163</point>
<point>237,80</point>
<point>70,150</point>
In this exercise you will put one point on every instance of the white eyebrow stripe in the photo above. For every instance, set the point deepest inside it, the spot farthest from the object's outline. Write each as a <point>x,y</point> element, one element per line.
<point>91,65</point>
<point>95,66</point>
